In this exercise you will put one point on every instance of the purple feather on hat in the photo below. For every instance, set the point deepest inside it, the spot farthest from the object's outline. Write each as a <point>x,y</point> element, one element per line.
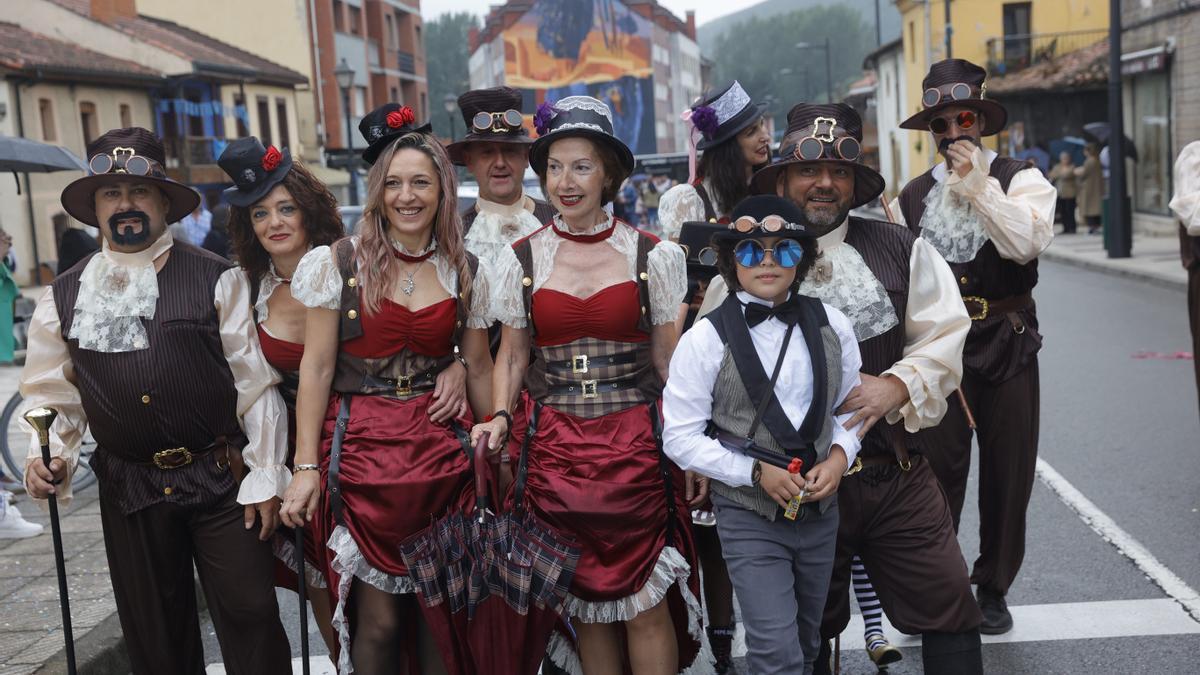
<point>705,119</point>
<point>541,120</point>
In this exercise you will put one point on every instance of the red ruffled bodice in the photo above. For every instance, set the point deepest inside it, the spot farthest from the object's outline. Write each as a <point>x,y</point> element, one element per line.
<point>283,356</point>
<point>612,313</point>
<point>394,328</point>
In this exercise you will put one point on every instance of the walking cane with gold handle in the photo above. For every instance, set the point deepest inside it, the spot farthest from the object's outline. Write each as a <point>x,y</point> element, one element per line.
<point>41,419</point>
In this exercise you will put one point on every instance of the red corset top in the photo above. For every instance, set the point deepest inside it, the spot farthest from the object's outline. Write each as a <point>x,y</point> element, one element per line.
<point>283,356</point>
<point>612,313</point>
<point>394,328</point>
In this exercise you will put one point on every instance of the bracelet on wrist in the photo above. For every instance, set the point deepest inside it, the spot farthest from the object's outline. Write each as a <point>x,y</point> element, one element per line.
<point>502,413</point>
<point>305,467</point>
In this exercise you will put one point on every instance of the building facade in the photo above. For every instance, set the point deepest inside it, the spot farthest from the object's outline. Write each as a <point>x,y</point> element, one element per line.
<point>1002,36</point>
<point>890,110</point>
<point>633,54</point>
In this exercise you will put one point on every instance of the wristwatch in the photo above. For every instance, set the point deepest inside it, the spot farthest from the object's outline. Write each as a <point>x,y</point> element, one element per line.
<point>756,472</point>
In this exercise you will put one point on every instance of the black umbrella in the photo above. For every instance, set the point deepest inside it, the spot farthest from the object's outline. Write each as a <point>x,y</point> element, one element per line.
<point>1100,131</point>
<point>21,155</point>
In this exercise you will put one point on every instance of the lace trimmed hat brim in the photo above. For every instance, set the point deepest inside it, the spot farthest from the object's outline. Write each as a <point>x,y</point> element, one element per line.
<point>733,127</point>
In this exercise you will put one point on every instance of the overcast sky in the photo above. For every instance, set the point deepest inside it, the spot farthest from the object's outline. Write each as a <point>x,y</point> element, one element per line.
<point>706,10</point>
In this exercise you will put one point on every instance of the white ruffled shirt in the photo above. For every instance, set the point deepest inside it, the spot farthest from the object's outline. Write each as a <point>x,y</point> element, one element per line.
<point>665,266</point>
<point>1186,201</point>
<point>317,282</point>
<point>48,380</point>
<point>497,226</point>
<point>935,322</point>
<point>1020,223</point>
<point>682,204</point>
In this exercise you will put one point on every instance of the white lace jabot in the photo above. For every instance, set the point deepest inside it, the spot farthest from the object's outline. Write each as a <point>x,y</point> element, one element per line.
<point>497,226</point>
<point>116,291</point>
<point>842,279</point>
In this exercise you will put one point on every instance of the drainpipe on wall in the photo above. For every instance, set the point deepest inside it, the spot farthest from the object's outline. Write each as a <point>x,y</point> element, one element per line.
<point>37,261</point>
<point>318,85</point>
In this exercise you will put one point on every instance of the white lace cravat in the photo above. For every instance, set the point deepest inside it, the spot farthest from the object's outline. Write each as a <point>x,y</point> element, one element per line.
<point>842,279</point>
<point>497,226</point>
<point>117,291</point>
<point>951,225</point>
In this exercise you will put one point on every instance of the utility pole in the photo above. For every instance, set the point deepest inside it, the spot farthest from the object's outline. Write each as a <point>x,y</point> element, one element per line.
<point>878,26</point>
<point>949,29</point>
<point>1120,235</point>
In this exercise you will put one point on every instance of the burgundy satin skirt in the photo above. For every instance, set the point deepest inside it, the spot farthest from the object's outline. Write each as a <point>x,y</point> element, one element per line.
<point>398,473</point>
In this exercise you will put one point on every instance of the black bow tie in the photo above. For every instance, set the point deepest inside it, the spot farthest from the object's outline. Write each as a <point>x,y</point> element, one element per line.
<point>788,312</point>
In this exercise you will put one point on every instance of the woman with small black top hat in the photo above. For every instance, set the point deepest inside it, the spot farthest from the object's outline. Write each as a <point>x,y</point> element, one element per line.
<point>751,404</point>
<point>388,309</point>
<point>734,139</point>
<point>595,300</point>
<point>277,211</point>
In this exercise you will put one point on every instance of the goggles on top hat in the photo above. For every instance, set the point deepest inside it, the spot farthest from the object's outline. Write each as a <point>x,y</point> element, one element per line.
<point>122,160</point>
<point>822,144</point>
<point>953,92</point>
<point>498,122</point>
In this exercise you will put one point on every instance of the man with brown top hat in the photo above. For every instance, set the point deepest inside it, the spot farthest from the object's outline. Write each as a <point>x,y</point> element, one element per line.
<point>910,324</point>
<point>150,344</point>
<point>496,151</point>
<point>989,217</point>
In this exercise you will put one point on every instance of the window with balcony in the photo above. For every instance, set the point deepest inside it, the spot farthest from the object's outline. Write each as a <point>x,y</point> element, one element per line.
<point>355,20</point>
<point>241,116</point>
<point>339,17</point>
<point>281,114</point>
<point>391,31</point>
<point>417,34</point>
<point>46,112</point>
<point>126,115</point>
<point>264,120</point>
<point>1016,34</point>
<point>87,119</point>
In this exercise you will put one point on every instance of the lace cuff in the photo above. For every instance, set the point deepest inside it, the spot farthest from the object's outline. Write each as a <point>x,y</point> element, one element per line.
<point>668,281</point>
<point>317,282</point>
<point>679,205</point>
<point>507,299</point>
<point>262,483</point>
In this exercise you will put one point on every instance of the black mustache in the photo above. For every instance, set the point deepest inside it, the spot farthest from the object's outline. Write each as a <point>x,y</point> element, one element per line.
<point>131,237</point>
<point>947,142</point>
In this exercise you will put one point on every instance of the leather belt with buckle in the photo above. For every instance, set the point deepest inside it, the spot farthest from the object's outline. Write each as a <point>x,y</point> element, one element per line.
<point>173,458</point>
<point>402,385</point>
<point>589,388</point>
<point>582,363</point>
<point>983,308</point>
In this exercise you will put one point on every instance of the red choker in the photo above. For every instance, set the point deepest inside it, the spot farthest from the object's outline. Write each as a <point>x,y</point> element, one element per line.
<point>412,258</point>
<point>586,238</point>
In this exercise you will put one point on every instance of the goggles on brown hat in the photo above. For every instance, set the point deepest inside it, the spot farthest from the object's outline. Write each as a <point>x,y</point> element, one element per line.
<point>823,144</point>
<point>497,122</point>
<point>122,160</point>
<point>946,93</point>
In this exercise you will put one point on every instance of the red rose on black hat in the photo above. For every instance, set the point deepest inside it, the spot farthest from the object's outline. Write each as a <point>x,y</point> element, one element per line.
<point>271,159</point>
<point>398,118</point>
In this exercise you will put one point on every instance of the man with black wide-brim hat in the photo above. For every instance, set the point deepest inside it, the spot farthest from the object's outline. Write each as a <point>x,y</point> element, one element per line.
<point>989,217</point>
<point>149,344</point>
<point>901,299</point>
<point>496,152</point>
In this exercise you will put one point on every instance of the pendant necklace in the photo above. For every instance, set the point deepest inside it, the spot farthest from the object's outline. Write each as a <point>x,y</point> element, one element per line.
<point>408,285</point>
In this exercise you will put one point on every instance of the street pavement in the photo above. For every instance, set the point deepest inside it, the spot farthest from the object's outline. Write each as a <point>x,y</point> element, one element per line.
<point>1113,558</point>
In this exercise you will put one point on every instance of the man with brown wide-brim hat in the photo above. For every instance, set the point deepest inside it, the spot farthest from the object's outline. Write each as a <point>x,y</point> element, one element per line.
<point>496,152</point>
<point>901,299</point>
<point>148,343</point>
<point>989,217</point>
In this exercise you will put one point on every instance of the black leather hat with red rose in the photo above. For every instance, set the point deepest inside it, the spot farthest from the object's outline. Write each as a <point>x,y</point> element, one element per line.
<point>385,124</point>
<point>255,169</point>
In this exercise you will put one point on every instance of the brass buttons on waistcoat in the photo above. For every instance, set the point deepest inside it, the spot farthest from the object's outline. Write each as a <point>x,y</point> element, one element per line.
<point>643,276</point>
<point>526,282</point>
<point>146,399</point>
<point>458,324</point>
<point>962,280</point>
<point>643,310</point>
<point>168,490</point>
<point>352,282</point>
<point>712,220</point>
<point>352,314</point>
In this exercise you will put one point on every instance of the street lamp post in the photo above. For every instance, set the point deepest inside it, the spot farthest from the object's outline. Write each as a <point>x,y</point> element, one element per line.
<point>828,66</point>
<point>1119,238</point>
<point>344,75</point>
<point>449,102</point>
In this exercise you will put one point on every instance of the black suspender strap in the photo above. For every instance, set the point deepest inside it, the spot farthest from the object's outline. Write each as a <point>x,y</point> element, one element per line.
<point>335,460</point>
<point>762,404</point>
<point>523,463</point>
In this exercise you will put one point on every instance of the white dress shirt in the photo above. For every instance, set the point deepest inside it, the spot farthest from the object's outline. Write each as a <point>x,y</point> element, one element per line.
<point>688,395</point>
<point>48,379</point>
<point>1020,223</point>
<point>1186,201</point>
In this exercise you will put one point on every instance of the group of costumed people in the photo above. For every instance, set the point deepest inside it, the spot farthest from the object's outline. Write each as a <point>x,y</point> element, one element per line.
<point>795,426</point>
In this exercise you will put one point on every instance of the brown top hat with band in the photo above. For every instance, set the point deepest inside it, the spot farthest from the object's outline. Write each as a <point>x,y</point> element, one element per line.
<point>822,132</point>
<point>132,154</point>
<point>491,115</point>
<point>957,83</point>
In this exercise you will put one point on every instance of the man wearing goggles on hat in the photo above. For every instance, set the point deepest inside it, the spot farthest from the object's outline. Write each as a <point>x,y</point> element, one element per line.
<point>910,325</point>
<point>989,217</point>
<point>496,152</point>
<point>149,343</point>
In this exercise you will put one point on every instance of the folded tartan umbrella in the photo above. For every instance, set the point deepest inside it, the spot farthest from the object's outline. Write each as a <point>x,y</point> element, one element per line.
<point>492,587</point>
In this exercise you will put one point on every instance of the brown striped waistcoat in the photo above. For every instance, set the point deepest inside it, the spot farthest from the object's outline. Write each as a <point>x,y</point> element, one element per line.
<point>179,392</point>
<point>994,350</point>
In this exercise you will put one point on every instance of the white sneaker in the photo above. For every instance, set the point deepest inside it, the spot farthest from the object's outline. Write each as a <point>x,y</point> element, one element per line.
<point>14,526</point>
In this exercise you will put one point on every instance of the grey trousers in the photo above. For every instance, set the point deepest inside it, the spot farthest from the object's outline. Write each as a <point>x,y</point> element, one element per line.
<point>780,572</point>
